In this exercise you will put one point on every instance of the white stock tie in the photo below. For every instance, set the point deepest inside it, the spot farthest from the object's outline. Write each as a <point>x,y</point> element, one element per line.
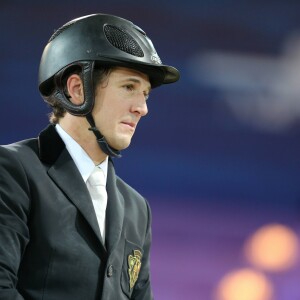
<point>96,186</point>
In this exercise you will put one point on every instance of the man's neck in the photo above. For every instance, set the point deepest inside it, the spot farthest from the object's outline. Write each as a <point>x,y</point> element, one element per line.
<point>77,128</point>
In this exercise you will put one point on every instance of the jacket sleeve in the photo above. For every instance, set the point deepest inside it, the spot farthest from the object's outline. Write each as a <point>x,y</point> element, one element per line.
<point>142,289</point>
<point>14,233</point>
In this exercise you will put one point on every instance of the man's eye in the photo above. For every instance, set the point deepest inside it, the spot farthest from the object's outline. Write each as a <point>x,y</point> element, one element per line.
<point>129,87</point>
<point>146,96</point>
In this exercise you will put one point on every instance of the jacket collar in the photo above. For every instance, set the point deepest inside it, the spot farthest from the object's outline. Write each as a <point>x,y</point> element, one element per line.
<point>52,151</point>
<point>64,173</point>
<point>115,210</point>
<point>50,145</point>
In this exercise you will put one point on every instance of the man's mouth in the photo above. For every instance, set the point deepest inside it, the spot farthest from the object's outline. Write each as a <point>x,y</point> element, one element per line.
<point>130,125</point>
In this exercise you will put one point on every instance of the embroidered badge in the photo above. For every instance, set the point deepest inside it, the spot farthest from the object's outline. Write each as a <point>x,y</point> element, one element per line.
<point>134,266</point>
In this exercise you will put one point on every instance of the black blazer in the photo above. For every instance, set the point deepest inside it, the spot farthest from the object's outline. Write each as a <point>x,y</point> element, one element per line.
<point>50,244</point>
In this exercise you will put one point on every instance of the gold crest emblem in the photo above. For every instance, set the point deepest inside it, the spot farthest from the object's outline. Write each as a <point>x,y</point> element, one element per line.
<point>134,266</point>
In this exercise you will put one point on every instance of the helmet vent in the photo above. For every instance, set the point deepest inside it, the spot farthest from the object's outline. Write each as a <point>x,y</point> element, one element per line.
<point>122,40</point>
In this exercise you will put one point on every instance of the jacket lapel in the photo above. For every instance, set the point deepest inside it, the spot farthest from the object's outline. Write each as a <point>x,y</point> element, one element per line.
<point>114,211</point>
<point>65,174</point>
<point>67,177</point>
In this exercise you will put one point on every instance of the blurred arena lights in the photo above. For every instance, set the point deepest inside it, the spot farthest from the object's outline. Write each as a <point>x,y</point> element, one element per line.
<point>260,90</point>
<point>273,248</point>
<point>244,284</point>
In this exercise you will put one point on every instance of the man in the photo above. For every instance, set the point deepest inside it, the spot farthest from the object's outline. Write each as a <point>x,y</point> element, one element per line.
<point>62,237</point>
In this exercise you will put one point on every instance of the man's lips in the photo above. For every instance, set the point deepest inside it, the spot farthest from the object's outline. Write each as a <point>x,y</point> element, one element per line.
<point>131,125</point>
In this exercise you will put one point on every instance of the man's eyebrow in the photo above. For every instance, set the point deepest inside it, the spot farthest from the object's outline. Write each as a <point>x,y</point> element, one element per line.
<point>135,80</point>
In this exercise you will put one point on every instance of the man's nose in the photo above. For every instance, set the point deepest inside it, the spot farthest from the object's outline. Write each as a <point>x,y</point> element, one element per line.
<point>140,106</point>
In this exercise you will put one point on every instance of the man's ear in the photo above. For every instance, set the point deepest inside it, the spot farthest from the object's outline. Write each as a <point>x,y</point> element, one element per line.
<point>75,89</point>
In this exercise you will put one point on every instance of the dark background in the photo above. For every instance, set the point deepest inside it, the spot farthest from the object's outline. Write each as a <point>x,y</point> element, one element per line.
<point>218,154</point>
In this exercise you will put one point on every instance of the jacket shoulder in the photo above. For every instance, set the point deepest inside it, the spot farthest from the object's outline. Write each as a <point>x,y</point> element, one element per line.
<point>18,151</point>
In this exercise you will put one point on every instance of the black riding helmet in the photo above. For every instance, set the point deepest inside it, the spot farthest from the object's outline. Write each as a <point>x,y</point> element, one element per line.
<point>92,40</point>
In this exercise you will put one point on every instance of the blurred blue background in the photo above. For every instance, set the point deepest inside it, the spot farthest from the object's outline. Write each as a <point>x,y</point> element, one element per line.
<point>217,156</point>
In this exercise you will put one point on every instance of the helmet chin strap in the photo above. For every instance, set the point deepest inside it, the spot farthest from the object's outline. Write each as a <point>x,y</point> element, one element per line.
<point>105,147</point>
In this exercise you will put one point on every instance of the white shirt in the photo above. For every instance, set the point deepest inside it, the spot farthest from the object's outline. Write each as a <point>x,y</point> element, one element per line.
<point>85,166</point>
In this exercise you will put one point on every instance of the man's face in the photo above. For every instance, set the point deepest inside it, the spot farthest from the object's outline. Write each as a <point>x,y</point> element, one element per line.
<point>120,102</point>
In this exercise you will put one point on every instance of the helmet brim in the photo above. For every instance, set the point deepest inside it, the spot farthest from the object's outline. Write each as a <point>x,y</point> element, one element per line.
<point>158,74</point>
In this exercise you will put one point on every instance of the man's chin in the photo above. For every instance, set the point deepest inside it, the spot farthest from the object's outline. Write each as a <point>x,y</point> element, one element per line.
<point>120,144</point>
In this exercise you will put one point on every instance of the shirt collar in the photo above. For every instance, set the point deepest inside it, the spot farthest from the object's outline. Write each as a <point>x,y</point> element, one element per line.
<point>81,159</point>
